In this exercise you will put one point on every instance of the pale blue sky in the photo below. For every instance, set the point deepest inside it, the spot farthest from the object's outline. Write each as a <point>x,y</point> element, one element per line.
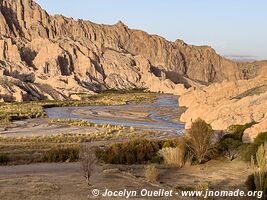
<point>232,27</point>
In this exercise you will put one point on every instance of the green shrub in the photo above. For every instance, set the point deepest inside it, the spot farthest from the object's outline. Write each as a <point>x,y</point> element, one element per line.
<point>157,159</point>
<point>230,147</point>
<point>61,155</point>
<point>3,159</point>
<point>236,131</point>
<point>137,151</point>
<point>251,149</point>
<point>261,138</point>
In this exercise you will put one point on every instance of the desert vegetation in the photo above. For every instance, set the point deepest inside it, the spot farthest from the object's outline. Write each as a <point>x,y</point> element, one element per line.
<point>83,123</point>
<point>61,154</point>
<point>123,149</point>
<point>258,180</point>
<point>173,156</point>
<point>55,148</point>
<point>151,173</point>
<point>232,147</point>
<point>197,147</point>
<point>200,137</point>
<point>135,151</point>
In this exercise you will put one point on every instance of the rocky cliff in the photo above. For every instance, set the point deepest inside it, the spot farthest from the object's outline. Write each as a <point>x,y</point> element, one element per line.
<point>230,102</point>
<point>51,57</point>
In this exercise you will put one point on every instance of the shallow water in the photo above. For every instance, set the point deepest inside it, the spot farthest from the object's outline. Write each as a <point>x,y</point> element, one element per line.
<point>162,115</point>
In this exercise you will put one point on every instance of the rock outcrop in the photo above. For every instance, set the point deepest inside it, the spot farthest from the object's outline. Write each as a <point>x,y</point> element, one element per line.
<point>43,55</point>
<point>227,103</point>
<point>54,57</point>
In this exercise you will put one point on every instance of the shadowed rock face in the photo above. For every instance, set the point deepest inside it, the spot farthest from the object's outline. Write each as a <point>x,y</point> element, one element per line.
<point>79,56</point>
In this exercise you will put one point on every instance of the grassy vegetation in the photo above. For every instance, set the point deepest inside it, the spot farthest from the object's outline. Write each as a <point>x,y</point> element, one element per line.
<point>180,151</point>
<point>231,145</point>
<point>61,154</point>
<point>151,173</point>
<point>34,149</point>
<point>84,123</point>
<point>35,109</point>
<point>27,152</point>
<point>173,156</point>
<point>258,180</point>
<point>249,150</point>
<point>18,111</point>
<point>62,147</point>
<point>136,151</point>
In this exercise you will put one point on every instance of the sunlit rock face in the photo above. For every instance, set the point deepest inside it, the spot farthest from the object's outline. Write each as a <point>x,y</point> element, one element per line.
<point>227,103</point>
<point>51,57</point>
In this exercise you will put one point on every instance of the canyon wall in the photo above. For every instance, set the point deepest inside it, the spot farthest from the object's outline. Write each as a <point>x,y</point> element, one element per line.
<point>50,57</point>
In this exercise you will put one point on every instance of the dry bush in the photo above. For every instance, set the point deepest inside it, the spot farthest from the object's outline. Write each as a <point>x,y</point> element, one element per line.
<point>136,151</point>
<point>260,169</point>
<point>151,173</point>
<point>88,161</point>
<point>174,156</point>
<point>202,186</point>
<point>200,140</point>
<point>61,154</point>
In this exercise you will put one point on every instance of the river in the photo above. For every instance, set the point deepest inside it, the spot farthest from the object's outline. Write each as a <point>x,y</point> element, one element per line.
<point>162,115</point>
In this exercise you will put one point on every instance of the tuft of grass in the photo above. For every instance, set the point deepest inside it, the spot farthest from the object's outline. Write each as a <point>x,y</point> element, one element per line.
<point>260,168</point>
<point>173,156</point>
<point>202,186</point>
<point>84,123</point>
<point>5,123</point>
<point>151,173</point>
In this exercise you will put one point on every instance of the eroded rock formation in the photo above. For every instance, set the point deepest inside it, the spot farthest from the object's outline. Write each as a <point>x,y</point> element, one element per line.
<point>49,57</point>
<point>227,103</point>
<point>52,57</point>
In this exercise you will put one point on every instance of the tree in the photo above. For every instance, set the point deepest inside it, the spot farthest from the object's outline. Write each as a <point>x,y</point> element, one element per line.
<point>88,161</point>
<point>200,140</point>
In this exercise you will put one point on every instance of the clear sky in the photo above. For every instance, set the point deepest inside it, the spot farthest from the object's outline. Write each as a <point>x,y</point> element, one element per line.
<point>232,27</point>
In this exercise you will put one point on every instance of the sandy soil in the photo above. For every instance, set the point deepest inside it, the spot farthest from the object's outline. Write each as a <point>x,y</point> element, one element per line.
<point>65,180</point>
<point>43,126</point>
